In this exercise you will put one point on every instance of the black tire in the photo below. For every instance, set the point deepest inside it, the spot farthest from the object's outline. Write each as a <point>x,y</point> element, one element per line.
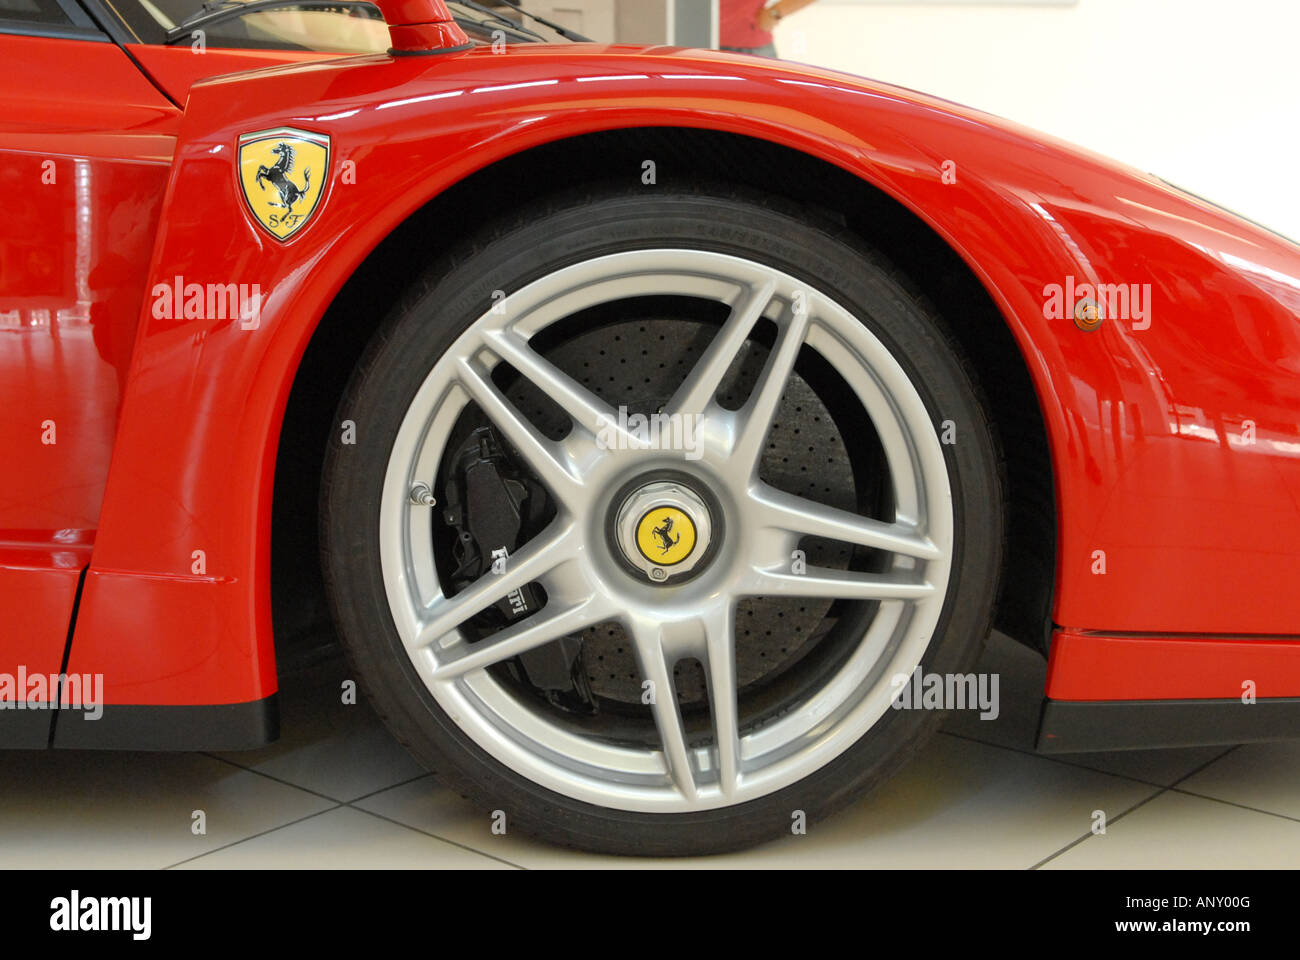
<point>565,230</point>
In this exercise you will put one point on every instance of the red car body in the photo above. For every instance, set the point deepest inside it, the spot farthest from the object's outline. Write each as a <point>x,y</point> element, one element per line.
<point>136,503</point>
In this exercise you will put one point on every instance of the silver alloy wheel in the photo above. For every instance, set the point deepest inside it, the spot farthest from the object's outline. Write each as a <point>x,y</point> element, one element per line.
<point>585,583</point>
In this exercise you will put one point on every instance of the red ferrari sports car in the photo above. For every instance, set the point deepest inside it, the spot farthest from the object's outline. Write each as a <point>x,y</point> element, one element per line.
<point>665,429</point>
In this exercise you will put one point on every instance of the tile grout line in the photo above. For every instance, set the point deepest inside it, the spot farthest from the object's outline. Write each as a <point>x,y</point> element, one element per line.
<point>1233,803</point>
<point>1113,820</point>
<point>394,786</point>
<point>273,778</point>
<point>316,793</point>
<point>262,833</point>
<point>350,804</point>
<point>426,833</point>
<point>1215,759</point>
<point>427,774</point>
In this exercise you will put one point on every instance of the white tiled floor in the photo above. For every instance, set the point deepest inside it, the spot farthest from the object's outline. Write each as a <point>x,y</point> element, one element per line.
<point>337,791</point>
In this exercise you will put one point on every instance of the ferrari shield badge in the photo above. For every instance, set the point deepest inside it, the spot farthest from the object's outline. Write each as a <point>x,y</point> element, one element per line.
<point>282,173</point>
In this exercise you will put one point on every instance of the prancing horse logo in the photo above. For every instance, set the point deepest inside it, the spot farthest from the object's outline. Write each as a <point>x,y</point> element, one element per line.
<point>276,157</point>
<point>663,533</point>
<point>278,175</point>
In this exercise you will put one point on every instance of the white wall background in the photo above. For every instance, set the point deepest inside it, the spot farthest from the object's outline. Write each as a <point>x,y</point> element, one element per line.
<point>1205,93</point>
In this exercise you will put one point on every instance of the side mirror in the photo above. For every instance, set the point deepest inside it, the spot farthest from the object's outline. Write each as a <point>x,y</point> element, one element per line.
<point>422,27</point>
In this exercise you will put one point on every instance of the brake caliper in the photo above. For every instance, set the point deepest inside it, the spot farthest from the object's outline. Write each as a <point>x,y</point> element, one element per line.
<point>493,507</point>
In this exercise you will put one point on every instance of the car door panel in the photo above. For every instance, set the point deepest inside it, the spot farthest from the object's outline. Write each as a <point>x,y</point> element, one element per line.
<point>85,150</point>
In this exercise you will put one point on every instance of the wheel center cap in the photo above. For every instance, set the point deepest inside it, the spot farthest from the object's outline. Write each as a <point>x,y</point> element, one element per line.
<point>664,530</point>
<point>666,535</point>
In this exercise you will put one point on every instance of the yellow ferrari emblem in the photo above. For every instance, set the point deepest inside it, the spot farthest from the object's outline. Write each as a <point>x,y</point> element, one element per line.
<point>283,173</point>
<point>666,536</point>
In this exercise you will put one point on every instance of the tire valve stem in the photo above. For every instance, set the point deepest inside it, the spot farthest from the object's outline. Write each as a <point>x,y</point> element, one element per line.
<point>422,496</point>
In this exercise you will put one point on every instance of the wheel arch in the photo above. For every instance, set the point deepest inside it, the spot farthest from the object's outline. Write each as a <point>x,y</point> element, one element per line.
<point>681,155</point>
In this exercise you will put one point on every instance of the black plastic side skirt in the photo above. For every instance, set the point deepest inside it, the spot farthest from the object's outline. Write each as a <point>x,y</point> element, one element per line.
<point>24,729</point>
<point>223,726</point>
<point>1073,726</point>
